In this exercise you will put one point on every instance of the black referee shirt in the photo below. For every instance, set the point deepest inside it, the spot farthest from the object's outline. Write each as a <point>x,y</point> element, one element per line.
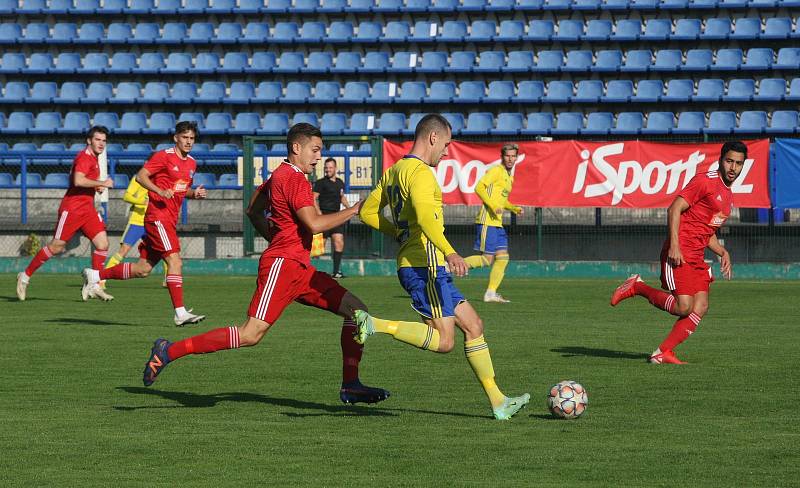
<point>330,194</point>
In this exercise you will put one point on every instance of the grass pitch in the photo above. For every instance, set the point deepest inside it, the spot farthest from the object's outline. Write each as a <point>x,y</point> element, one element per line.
<point>75,413</point>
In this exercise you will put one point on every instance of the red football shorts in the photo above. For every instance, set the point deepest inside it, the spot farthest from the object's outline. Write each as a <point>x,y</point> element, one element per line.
<point>282,281</point>
<point>686,279</point>
<point>87,220</point>
<point>160,240</point>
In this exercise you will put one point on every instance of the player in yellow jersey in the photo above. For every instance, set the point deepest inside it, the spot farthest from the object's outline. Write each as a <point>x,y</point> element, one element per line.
<point>414,197</point>
<point>491,239</point>
<point>136,195</point>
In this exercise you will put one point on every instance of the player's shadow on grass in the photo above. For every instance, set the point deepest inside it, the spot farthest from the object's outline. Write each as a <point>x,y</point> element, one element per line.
<point>571,351</point>
<point>84,321</point>
<point>29,299</point>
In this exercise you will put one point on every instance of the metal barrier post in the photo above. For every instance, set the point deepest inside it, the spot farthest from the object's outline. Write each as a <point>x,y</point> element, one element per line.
<point>23,188</point>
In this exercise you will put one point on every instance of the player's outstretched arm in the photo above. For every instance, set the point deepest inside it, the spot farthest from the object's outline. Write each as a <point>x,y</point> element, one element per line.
<point>320,223</point>
<point>135,194</point>
<point>80,180</point>
<point>256,212</point>
<point>725,259</point>
<point>678,206</point>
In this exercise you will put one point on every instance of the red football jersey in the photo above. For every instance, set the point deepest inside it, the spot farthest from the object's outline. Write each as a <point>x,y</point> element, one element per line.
<point>710,202</point>
<point>168,170</point>
<point>288,191</point>
<point>76,197</point>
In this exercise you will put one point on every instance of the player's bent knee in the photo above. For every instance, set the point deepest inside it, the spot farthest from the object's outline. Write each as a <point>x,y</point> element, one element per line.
<point>252,332</point>
<point>446,344</point>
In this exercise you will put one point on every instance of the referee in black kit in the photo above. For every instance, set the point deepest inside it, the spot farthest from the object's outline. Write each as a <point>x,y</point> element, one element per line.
<point>328,196</point>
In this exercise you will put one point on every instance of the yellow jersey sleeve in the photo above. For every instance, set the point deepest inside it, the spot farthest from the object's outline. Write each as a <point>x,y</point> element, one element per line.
<point>490,189</point>
<point>136,195</point>
<point>426,200</point>
<point>371,212</point>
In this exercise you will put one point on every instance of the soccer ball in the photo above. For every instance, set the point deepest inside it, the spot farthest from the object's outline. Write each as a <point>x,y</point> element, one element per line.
<point>567,399</point>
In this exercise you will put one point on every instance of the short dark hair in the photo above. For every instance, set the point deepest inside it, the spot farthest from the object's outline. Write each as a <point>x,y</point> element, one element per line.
<point>332,160</point>
<point>94,130</point>
<point>186,125</point>
<point>300,132</point>
<point>735,146</point>
<point>431,123</point>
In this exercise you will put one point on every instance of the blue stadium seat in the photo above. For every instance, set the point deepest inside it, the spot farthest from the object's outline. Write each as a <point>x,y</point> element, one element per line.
<point>628,123</point>
<point>109,120</point>
<point>746,29</point>
<point>211,92</point>
<point>698,60</point>
<point>540,30</point>
<point>132,123</point>
<point>441,92</point>
<point>166,7</point>
<point>361,123</point>
<point>173,33</point>
<point>246,123</point>
<point>728,60</point>
<point>687,30</point>
<point>43,92</point>
<point>509,124</point>
<point>241,92</point>
<point>200,33</point>
<point>568,123</point>
<point>160,123</point>
<point>598,30</point>
<point>155,92</point>
<point>558,92</point>
<point>679,91</point>
<point>499,92</point>
<point>127,92</point>
<point>218,123</point>
<point>470,92</point>
<point>783,122</point>
<point>424,31</point>
<point>18,123</point>
<point>472,5</point>
<point>529,91</point>
<point>332,6</point>
<point>150,63</point>
<point>40,63</point>
<point>598,124</point>
<point>529,5</point>
<point>740,90</point>
<point>340,32</point>
<point>139,147</point>
<point>8,7</point>
<point>396,31</point>
<point>490,62</point>
<point>644,4</point>
<point>453,31</point>
<point>668,60</point>
<point>6,180</point>
<point>121,181</point>
<point>794,90</point>
<point>510,31</point>
<point>433,62</point>
<point>231,63</point>
<point>456,121</point>
<point>637,61</point>
<point>608,61</point>
<point>788,58</point>
<point>346,62</point>
<point>311,33</point>
<point>88,33</point>
<point>221,7</point>
<point>481,31</point>
<point>251,6</point>
<point>648,91</point>
<point>290,62</point>
<point>46,123</point>
<point>443,6</point>
<point>145,33</point>
<point>588,91</point>
<point>387,6</point>
<point>71,92</point>
<point>228,180</point>
<point>178,63</point>
<point>578,61</point>
<point>417,6</point>
<point>657,30</point>
<point>183,93</point>
<point>659,123</point>
<point>268,92</point>
<point>556,4</point>
<point>403,62</point>
<point>333,123</point>
<point>724,4</point>
<point>702,4</point>
<point>38,33</point>
<point>413,120</point>
<point>205,179</point>
<point>118,33</point>
<point>412,92</point>
<point>121,63</point>
<point>194,6</point>
<point>709,90</point>
<point>777,28</point>
<point>383,92</point>
<point>375,62</point>
<point>690,123</point>
<point>305,117</point>
<point>519,62</point>
<point>752,122</point>
<point>319,62</point>
<point>75,123</point>
<point>759,59</point>
<point>255,33</point>
<point>275,123</point>
<point>32,7</point>
<point>627,30</point>
<point>721,123</point>
<point>771,90</point>
<point>391,124</point>
<point>717,29</point>
<point>285,33</point>
<point>368,32</point>
<point>479,123</point>
<point>113,7</point>
<point>549,61</point>
<point>355,92</point>
<point>461,62</point>
<point>569,30</point>
<point>297,92</point>
<point>25,147</point>
<point>63,33</point>
<point>32,180</point>
<point>618,91</point>
<point>16,92</point>
<point>580,5</point>
<point>13,63</point>
<point>10,33</point>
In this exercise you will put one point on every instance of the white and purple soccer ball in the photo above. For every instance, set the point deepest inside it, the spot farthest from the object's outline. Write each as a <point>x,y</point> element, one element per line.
<point>567,399</point>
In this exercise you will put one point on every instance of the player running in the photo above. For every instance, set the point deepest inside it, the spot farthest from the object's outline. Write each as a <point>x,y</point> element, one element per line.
<point>282,211</point>
<point>491,239</point>
<point>414,197</point>
<point>77,212</point>
<point>693,219</point>
<point>167,175</point>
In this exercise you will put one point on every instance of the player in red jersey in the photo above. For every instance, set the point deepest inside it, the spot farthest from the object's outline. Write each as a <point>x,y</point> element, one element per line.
<point>77,212</point>
<point>167,175</point>
<point>282,211</point>
<point>693,219</point>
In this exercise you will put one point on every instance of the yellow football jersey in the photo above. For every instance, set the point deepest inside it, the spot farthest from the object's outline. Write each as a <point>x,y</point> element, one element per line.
<point>493,190</point>
<point>414,197</point>
<point>136,195</point>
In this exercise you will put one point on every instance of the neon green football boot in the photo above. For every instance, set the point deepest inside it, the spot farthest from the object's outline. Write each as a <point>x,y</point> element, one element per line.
<point>510,406</point>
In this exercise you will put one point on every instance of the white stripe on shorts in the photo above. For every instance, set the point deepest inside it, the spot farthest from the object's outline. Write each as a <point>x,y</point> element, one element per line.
<point>164,237</point>
<point>60,227</point>
<point>266,295</point>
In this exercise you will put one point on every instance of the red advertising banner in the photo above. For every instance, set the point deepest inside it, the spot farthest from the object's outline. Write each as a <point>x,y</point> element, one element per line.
<point>628,174</point>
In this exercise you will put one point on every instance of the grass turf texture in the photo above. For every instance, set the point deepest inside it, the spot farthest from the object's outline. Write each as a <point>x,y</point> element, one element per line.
<point>75,412</point>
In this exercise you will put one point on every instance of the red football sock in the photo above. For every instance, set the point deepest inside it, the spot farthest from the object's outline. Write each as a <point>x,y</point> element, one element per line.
<point>683,328</point>
<point>351,352</point>
<point>41,257</point>
<point>658,298</point>
<point>122,271</point>
<point>175,286</point>
<point>99,258</point>
<point>213,340</point>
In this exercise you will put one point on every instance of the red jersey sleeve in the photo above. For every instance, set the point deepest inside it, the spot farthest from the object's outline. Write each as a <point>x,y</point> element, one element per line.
<point>695,190</point>
<point>300,193</point>
<point>156,162</point>
<point>83,164</point>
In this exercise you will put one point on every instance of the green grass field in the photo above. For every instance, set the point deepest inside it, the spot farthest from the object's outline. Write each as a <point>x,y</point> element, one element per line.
<point>75,413</point>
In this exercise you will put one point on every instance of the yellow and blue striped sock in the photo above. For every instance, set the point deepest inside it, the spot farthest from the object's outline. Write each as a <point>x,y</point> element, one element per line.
<point>498,272</point>
<point>477,352</point>
<point>417,334</point>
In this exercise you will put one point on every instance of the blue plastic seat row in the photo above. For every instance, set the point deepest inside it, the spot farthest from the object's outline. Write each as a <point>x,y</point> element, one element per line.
<point>166,7</point>
<point>409,92</point>
<point>61,180</point>
<point>476,123</point>
<point>542,61</point>
<point>454,31</point>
